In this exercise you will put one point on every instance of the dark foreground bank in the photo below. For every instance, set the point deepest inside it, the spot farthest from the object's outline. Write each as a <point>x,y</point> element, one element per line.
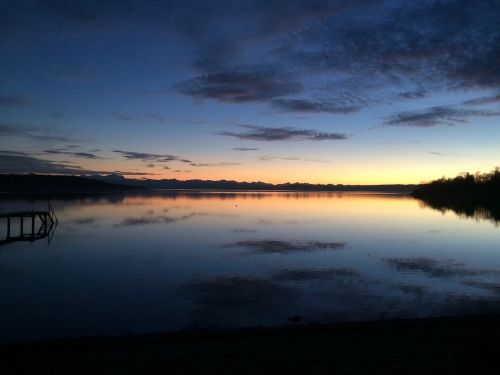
<point>436,345</point>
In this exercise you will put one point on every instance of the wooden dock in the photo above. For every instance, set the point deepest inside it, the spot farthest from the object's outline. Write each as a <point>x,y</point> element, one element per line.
<point>32,225</point>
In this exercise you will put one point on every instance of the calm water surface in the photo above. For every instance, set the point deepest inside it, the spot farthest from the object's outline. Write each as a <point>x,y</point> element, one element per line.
<point>148,263</point>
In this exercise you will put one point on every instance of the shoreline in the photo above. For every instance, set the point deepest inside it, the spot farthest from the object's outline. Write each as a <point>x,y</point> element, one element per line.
<point>464,344</point>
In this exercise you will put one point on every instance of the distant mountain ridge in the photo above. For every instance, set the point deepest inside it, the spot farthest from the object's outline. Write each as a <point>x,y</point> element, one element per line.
<point>33,183</point>
<point>235,185</point>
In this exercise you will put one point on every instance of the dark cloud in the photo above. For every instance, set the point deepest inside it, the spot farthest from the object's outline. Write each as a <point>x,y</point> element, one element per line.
<point>19,162</point>
<point>16,153</point>
<point>144,156</point>
<point>13,101</point>
<point>283,247</point>
<point>37,134</point>
<point>435,116</point>
<point>423,42</point>
<point>260,133</point>
<point>428,45</point>
<point>244,149</point>
<point>240,86</point>
<point>414,48</point>
<point>435,268</point>
<point>221,164</point>
<point>22,163</point>
<point>492,99</point>
<point>412,95</point>
<point>302,105</point>
<point>85,155</point>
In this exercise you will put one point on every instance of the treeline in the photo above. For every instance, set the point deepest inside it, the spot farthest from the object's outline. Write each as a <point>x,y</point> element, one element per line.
<point>478,186</point>
<point>471,195</point>
<point>49,184</point>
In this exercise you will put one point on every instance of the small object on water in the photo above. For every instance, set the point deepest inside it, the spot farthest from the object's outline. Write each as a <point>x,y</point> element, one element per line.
<point>295,318</point>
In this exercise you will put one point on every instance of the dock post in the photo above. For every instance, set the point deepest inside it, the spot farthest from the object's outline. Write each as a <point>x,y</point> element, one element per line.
<point>22,226</point>
<point>8,227</point>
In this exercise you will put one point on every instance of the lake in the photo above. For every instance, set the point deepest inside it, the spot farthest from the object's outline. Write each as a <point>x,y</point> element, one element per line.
<point>145,263</point>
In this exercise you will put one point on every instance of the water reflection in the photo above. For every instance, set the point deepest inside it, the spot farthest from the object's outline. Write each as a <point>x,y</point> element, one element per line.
<point>27,226</point>
<point>467,209</point>
<point>163,261</point>
<point>434,268</point>
<point>277,246</point>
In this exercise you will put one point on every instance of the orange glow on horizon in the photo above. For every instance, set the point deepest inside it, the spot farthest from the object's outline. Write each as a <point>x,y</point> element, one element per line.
<point>369,172</point>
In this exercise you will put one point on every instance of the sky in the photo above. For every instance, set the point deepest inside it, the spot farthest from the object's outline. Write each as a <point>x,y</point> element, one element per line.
<point>341,91</point>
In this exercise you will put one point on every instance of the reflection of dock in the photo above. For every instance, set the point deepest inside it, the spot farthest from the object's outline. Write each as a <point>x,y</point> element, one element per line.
<point>38,225</point>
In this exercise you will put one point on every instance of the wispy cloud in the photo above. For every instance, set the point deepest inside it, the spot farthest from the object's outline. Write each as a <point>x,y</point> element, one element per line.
<point>37,134</point>
<point>145,156</point>
<point>20,162</point>
<point>124,116</point>
<point>434,116</point>
<point>221,164</point>
<point>303,105</point>
<point>154,117</point>
<point>244,149</point>
<point>260,133</point>
<point>412,94</point>
<point>290,158</point>
<point>341,42</point>
<point>437,153</point>
<point>484,100</point>
<point>85,155</point>
<point>250,85</point>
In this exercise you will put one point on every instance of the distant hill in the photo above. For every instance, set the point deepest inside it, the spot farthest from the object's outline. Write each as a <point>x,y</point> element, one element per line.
<point>48,184</point>
<point>235,185</point>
